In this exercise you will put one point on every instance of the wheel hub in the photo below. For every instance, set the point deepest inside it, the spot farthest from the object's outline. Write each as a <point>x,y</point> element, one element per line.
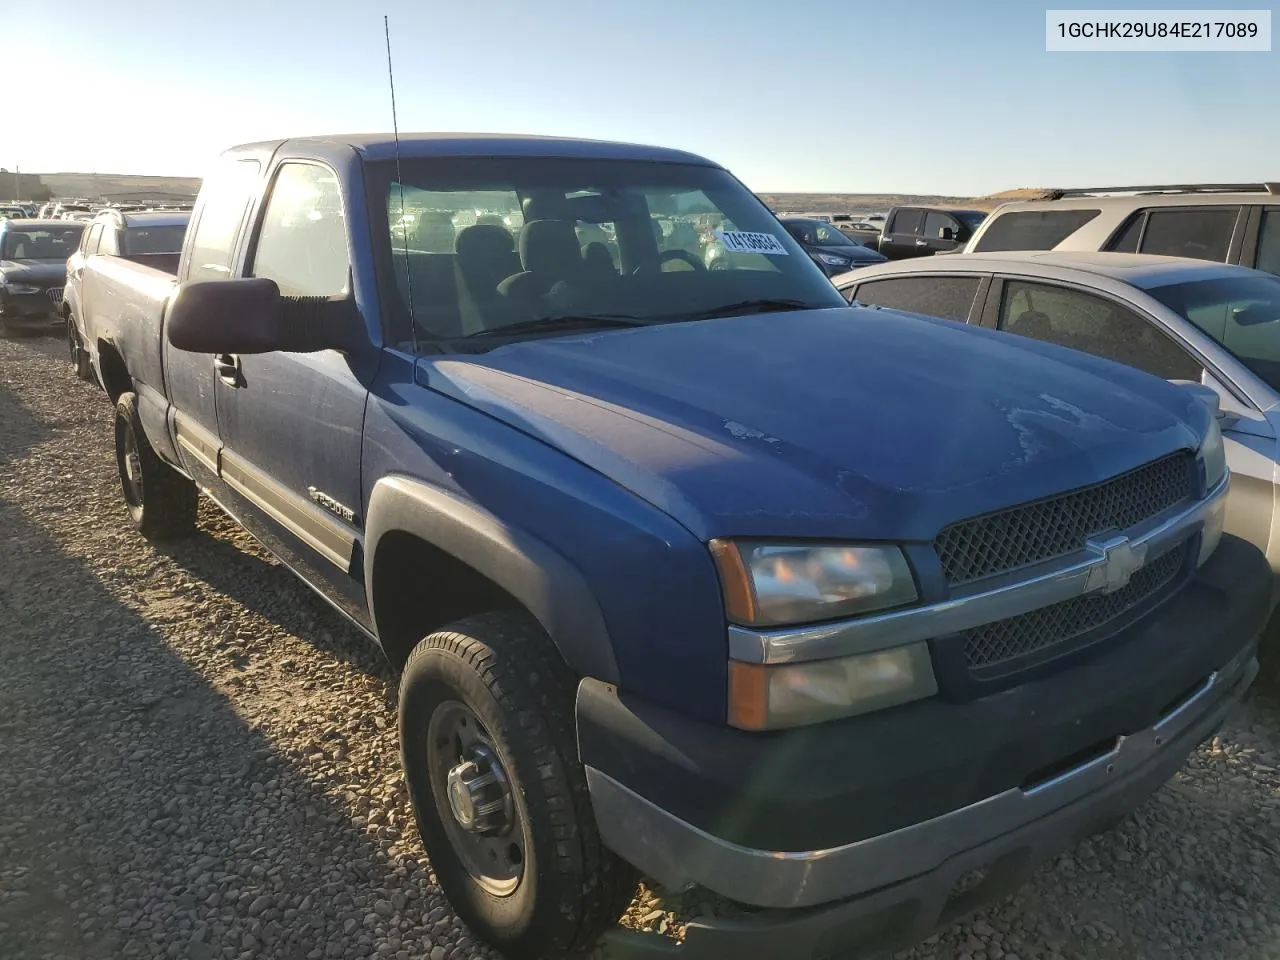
<point>478,794</point>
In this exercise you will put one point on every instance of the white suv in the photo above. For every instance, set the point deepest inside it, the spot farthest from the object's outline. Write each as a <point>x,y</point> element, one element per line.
<point>1230,223</point>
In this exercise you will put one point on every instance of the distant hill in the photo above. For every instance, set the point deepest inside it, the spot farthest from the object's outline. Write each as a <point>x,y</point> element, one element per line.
<point>880,202</point>
<point>119,186</point>
<point>124,186</point>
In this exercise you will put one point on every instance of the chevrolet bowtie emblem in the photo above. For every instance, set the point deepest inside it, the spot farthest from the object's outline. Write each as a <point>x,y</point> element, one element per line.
<point>1118,559</point>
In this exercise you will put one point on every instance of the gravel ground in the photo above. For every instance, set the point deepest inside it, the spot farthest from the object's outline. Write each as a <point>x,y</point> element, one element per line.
<point>198,759</point>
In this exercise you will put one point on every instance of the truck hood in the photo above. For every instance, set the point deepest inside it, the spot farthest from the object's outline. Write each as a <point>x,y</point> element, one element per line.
<point>42,272</point>
<point>841,422</point>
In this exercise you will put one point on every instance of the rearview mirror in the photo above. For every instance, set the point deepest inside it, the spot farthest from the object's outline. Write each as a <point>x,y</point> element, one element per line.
<point>946,233</point>
<point>250,316</point>
<point>1205,394</point>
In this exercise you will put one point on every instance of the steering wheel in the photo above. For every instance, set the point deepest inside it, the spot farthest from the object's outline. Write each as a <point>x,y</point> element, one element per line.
<point>684,256</point>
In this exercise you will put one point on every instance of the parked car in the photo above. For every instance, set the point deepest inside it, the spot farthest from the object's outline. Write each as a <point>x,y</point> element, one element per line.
<point>33,269</point>
<point>69,211</point>
<point>1182,320</point>
<point>150,238</point>
<point>1228,222</point>
<point>923,231</point>
<point>13,213</point>
<point>832,250</point>
<point>687,572</point>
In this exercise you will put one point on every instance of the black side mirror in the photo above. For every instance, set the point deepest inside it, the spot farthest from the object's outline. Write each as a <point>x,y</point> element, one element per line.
<point>946,233</point>
<point>250,316</point>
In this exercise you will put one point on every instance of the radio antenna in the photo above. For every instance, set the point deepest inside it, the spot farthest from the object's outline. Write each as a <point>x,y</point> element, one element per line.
<point>404,226</point>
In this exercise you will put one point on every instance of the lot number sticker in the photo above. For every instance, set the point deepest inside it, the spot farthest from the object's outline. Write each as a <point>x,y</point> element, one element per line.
<point>740,241</point>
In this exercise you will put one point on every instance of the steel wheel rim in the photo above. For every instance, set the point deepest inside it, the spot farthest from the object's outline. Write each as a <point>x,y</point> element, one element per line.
<point>494,855</point>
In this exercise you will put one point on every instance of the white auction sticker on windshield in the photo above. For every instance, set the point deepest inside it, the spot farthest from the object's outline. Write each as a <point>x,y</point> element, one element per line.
<point>740,241</point>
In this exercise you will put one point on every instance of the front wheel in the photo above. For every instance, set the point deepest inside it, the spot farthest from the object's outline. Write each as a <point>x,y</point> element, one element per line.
<point>161,501</point>
<point>490,758</point>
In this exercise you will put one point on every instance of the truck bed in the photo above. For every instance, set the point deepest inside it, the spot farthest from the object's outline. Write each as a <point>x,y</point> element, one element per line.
<point>122,304</point>
<point>164,262</point>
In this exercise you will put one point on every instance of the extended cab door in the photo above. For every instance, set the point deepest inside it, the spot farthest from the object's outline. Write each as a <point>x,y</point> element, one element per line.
<point>901,237</point>
<point>291,423</point>
<point>209,253</point>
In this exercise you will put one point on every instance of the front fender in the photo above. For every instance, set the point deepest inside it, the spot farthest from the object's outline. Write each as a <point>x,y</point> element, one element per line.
<point>533,572</point>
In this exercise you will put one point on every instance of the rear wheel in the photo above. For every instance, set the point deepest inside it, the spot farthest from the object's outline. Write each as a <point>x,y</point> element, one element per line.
<point>161,501</point>
<point>488,745</point>
<point>79,357</point>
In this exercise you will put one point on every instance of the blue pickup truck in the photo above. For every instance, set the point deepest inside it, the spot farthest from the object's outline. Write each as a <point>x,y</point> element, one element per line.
<point>848,616</point>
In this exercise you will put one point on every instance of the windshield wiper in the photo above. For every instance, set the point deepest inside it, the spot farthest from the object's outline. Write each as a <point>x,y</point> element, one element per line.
<point>566,322</point>
<point>744,307</point>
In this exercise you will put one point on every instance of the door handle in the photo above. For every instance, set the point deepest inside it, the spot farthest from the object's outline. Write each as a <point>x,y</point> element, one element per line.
<point>227,366</point>
<point>922,243</point>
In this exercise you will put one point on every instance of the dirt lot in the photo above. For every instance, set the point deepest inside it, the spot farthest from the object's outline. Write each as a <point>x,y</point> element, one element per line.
<point>198,759</point>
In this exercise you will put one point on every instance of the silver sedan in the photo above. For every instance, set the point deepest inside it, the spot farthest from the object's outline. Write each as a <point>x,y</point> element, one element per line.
<point>1184,320</point>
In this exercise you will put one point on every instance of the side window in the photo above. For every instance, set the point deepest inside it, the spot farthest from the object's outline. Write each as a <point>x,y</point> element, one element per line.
<point>798,232</point>
<point>91,238</point>
<point>1082,321</point>
<point>935,223</point>
<point>302,244</point>
<point>108,243</point>
<point>1033,229</point>
<point>224,199</point>
<point>1269,241</point>
<point>1202,233</point>
<point>947,297</point>
<point>1126,241</point>
<point>906,220</point>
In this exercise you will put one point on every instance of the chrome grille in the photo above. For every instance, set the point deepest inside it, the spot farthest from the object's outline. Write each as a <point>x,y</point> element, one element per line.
<point>984,546</point>
<point>997,643</point>
<point>54,294</point>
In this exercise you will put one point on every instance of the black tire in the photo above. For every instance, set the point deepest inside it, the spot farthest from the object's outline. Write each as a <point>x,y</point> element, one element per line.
<point>161,501</point>
<point>504,668</point>
<point>6,330</point>
<point>79,358</point>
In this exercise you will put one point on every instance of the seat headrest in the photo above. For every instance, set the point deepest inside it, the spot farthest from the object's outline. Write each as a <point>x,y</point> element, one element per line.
<point>543,206</point>
<point>550,247</point>
<point>484,240</point>
<point>1032,323</point>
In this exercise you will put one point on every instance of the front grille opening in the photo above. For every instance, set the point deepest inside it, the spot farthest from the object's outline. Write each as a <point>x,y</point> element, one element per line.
<point>1068,763</point>
<point>996,644</point>
<point>984,546</point>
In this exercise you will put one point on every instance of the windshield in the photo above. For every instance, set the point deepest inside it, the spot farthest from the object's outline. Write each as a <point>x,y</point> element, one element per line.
<point>165,238</point>
<point>46,243</point>
<point>1241,312</point>
<point>971,218</point>
<point>475,245</point>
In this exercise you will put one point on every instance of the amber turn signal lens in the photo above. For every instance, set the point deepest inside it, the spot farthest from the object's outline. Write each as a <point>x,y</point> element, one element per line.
<point>739,597</point>
<point>748,695</point>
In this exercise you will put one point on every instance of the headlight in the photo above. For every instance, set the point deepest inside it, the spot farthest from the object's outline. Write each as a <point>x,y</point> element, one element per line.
<point>791,695</point>
<point>772,584</point>
<point>20,288</point>
<point>833,261</point>
<point>1214,458</point>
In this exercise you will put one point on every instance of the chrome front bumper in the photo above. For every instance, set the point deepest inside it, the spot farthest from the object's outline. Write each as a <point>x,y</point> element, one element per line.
<point>678,854</point>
